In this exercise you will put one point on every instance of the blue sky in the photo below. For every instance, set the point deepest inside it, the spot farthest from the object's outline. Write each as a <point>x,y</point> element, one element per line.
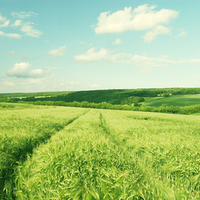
<point>70,45</point>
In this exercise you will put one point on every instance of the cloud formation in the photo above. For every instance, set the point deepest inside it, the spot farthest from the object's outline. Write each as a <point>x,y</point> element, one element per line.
<point>12,53</point>
<point>195,61</point>
<point>57,52</point>
<point>17,23</point>
<point>27,28</point>
<point>22,70</point>
<point>23,14</point>
<point>10,35</point>
<point>2,19</point>
<point>144,63</point>
<point>30,31</point>
<point>94,85</point>
<point>143,17</point>
<point>9,83</point>
<point>91,55</point>
<point>5,23</point>
<point>183,34</point>
<point>117,41</point>
<point>159,30</point>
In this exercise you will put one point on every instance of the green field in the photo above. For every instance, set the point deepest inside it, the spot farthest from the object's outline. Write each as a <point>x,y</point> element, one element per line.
<point>179,100</point>
<point>76,153</point>
<point>11,106</point>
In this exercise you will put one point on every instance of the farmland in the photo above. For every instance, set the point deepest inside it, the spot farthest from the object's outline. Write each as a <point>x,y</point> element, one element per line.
<point>77,153</point>
<point>163,100</point>
<point>178,100</point>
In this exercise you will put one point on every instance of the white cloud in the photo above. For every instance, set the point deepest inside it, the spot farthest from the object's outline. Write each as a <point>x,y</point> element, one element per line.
<point>37,81</point>
<point>17,23</point>
<point>5,24</point>
<point>12,53</point>
<point>142,62</point>
<point>146,64</point>
<point>23,14</point>
<point>183,34</point>
<point>72,83</point>
<point>27,28</point>
<point>57,52</point>
<point>159,30</point>
<point>91,55</point>
<point>19,70</point>
<point>68,83</point>
<point>85,43</point>
<point>2,19</point>
<point>30,31</point>
<point>9,83</point>
<point>95,85</point>
<point>56,68</point>
<point>11,35</point>
<point>195,61</point>
<point>143,17</point>
<point>117,41</point>
<point>2,33</point>
<point>22,70</point>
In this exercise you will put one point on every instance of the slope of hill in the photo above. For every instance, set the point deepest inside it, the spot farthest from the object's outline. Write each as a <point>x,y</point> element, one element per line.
<point>179,100</point>
<point>122,96</point>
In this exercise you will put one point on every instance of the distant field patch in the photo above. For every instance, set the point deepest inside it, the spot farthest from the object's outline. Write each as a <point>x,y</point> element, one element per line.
<point>148,99</point>
<point>182,100</point>
<point>15,106</point>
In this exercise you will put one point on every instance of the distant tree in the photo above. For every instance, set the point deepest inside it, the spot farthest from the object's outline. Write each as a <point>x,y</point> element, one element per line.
<point>163,108</point>
<point>136,104</point>
<point>166,95</point>
<point>141,99</point>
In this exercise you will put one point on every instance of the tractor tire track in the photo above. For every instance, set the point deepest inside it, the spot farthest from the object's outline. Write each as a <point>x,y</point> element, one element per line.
<point>7,176</point>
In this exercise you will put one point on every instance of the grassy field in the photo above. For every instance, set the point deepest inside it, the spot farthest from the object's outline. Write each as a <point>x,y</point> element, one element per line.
<point>180,100</point>
<point>8,106</point>
<point>100,154</point>
<point>24,129</point>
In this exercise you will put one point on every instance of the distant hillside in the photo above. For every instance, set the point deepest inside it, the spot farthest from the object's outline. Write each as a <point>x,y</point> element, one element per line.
<point>115,97</point>
<point>177,100</point>
<point>98,96</point>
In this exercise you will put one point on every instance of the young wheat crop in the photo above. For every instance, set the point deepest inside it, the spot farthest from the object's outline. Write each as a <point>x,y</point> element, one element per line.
<point>116,155</point>
<point>23,130</point>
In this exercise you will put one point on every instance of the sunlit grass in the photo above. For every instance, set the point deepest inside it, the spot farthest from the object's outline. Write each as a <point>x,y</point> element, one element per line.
<point>116,155</point>
<point>23,130</point>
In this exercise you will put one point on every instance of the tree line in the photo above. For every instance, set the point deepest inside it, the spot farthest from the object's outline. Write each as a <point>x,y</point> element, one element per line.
<point>115,97</point>
<point>104,105</point>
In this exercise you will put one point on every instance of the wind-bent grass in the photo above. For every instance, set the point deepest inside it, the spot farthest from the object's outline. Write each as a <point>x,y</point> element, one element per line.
<point>167,146</point>
<point>21,131</point>
<point>116,155</point>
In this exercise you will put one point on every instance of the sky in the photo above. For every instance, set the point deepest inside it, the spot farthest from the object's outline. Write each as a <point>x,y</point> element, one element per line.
<point>73,45</point>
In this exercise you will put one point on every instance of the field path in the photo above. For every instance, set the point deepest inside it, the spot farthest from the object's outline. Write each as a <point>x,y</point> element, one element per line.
<point>23,131</point>
<point>106,154</point>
